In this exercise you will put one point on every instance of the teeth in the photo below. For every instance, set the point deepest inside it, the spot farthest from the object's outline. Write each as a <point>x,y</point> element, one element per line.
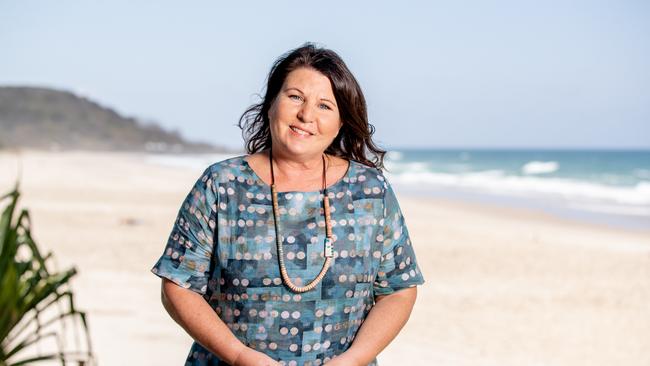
<point>299,131</point>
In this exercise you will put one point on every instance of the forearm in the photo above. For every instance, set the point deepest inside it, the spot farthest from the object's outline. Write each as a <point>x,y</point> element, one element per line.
<point>381,326</point>
<point>201,322</point>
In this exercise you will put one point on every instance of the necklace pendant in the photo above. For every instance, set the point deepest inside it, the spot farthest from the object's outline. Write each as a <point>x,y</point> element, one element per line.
<point>329,250</point>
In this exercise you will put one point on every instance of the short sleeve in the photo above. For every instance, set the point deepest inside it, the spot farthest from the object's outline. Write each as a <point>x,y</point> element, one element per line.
<point>187,255</point>
<point>398,267</point>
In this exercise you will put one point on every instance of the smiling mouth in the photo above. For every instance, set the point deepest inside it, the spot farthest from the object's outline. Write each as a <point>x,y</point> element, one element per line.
<point>299,131</point>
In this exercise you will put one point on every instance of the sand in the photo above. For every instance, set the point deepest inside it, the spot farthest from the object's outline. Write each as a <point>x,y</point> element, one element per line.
<point>503,286</point>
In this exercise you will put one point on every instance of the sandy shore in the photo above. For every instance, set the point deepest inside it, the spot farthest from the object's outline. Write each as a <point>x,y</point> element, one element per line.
<point>504,286</point>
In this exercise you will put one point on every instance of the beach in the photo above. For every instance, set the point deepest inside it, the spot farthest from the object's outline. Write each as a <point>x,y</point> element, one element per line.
<point>504,286</point>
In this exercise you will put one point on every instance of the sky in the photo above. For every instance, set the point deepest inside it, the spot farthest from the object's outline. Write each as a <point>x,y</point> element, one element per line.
<point>454,74</point>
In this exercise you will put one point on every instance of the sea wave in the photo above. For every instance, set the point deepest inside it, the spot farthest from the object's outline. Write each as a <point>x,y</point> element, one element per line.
<point>540,167</point>
<point>496,181</point>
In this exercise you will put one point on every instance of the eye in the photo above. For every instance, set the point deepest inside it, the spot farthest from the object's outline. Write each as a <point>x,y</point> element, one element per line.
<point>295,97</point>
<point>325,106</point>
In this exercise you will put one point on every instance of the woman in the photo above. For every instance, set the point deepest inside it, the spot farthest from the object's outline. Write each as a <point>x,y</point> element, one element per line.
<point>296,254</point>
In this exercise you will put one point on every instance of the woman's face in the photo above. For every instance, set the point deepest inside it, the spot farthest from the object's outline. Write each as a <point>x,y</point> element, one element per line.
<point>304,118</point>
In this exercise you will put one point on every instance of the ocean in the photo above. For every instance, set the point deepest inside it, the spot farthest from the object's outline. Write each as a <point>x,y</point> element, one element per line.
<point>597,186</point>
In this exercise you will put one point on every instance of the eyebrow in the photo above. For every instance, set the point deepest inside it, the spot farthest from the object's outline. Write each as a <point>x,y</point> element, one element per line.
<point>301,92</point>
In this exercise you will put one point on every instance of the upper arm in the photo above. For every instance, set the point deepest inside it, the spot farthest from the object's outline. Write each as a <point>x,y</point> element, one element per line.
<point>398,267</point>
<point>187,258</point>
<point>407,293</point>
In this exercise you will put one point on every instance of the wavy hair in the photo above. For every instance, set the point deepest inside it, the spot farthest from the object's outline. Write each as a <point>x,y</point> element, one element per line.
<point>354,140</point>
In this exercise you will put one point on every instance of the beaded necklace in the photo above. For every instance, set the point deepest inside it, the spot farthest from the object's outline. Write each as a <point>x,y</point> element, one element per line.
<point>328,238</point>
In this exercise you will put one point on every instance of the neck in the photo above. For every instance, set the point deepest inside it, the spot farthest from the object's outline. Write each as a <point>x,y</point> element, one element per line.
<point>298,166</point>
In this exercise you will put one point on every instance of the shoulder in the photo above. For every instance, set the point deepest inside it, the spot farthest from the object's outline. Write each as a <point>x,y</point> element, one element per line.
<point>226,169</point>
<point>364,168</point>
<point>368,179</point>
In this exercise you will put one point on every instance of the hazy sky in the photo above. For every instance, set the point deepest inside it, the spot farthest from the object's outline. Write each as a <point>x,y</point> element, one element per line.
<point>519,74</point>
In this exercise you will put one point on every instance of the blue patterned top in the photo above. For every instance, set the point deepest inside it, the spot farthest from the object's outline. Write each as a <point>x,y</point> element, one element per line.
<point>223,246</point>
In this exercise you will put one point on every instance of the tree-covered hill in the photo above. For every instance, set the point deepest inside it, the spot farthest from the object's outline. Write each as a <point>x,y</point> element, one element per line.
<point>43,118</point>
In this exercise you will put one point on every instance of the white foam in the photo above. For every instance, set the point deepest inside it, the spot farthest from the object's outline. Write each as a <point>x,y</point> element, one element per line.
<point>497,182</point>
<point>540,167</point>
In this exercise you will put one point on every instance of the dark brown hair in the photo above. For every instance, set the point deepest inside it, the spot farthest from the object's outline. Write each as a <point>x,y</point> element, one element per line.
<point>354,140</point>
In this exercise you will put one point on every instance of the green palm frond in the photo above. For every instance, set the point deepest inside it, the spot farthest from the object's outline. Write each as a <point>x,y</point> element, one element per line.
<point>36,304</point>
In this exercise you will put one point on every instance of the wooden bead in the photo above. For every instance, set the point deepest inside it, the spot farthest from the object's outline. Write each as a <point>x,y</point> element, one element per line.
<point>328,248</point>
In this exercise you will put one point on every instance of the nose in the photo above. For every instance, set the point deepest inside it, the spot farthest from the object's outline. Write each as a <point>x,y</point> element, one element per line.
<point>306,113</point>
